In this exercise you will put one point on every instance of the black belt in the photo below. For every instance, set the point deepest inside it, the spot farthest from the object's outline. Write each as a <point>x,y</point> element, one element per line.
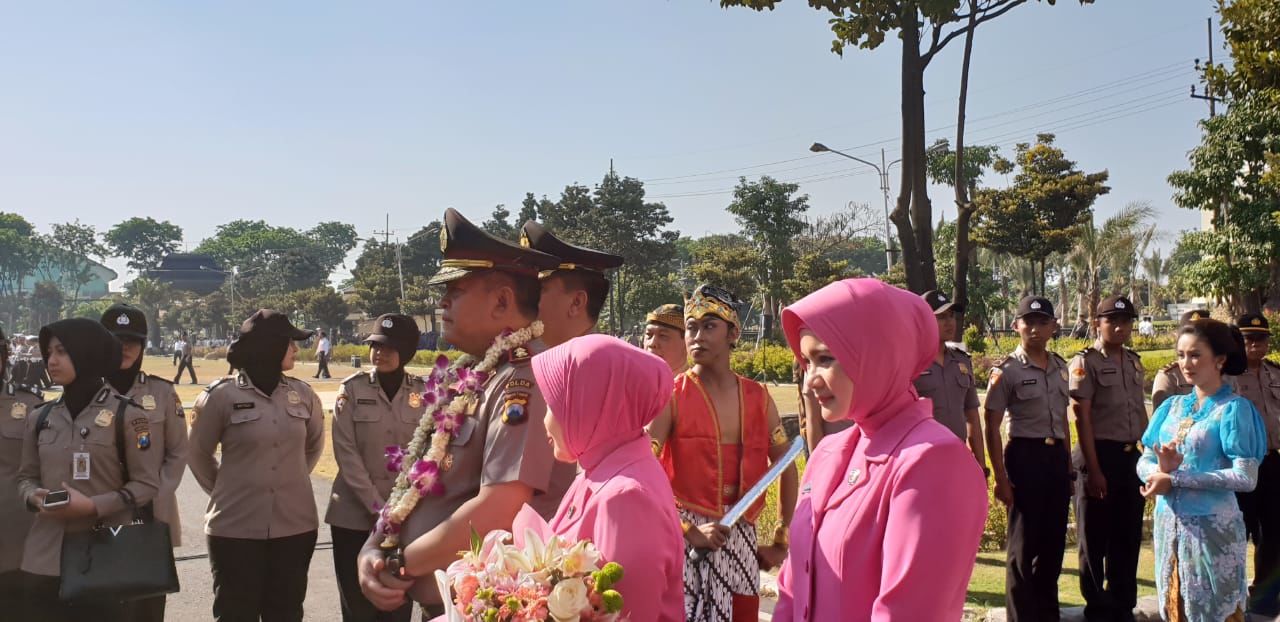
<point>1046,440</point>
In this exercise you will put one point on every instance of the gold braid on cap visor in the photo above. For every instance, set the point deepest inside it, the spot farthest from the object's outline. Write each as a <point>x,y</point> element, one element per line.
<point>701,306</point>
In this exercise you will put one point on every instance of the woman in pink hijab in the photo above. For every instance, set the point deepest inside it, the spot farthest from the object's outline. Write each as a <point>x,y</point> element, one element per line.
<point>891,510</point>
<point>600,394</point>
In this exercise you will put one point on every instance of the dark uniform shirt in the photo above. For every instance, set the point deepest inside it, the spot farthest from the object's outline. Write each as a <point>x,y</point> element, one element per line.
<point>1114,390</point>
<point>1262,387</point>
<point>365,423</point>
<point>17,404</point>
<point>951,388</point>
<point>1034,399</point>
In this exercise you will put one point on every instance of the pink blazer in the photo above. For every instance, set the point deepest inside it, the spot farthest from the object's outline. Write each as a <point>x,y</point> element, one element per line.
<point>626,507</point>
<point>887,526</point>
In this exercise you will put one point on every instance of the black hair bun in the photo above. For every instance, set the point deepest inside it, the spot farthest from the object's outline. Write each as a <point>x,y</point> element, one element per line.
<point>1237,363</point>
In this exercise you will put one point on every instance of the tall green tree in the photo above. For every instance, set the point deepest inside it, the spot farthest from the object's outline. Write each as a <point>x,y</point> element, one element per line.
<point>771,216</point>
<point>1039,214</point>
<point>152,297</point>
<point>320,306</point>
<point>1106,249</point>
<point>273,261</point>
<point>727,261</point>
<point>1241,254</point>
<point>962,169</point>
<point>72,249</point>
<point>46,303</point>
<point>924,27</point>
<point>499,224</point>
<point>143,242</point>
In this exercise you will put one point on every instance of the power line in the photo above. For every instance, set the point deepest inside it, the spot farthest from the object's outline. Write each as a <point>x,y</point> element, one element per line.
<point>1137,81</point>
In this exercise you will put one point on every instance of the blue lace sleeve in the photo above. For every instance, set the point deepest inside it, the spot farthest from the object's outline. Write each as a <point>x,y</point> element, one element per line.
<point>1244,441</point>
<point>1149,464</point>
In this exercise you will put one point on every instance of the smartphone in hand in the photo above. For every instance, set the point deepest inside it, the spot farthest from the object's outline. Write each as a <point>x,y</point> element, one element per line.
<point>56,499</point>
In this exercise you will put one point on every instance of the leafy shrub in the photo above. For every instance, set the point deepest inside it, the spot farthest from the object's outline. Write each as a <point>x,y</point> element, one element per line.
<point>344,352</point>
<point>768,363</point>
<point>974,341</point>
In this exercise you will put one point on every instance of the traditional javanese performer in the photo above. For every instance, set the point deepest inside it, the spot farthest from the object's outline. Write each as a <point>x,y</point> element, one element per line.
<point>891,510</point>
<point>600,393</point>
<point>716,439</point>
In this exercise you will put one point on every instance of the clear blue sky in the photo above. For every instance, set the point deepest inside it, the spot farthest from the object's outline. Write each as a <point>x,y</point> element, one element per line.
<point>298,112</point>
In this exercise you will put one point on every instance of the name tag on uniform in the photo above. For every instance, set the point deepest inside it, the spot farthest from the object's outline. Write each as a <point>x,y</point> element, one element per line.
<point>926,372</point>
<point>80,465</point>
<point>1028,381</point>
<point>1110,370</point>
<point>367,401</point>
<point>244,405</point>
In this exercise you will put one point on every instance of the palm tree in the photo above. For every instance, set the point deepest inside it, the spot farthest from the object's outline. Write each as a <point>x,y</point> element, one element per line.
<point>1155,267</point>
<point>1111,247</point>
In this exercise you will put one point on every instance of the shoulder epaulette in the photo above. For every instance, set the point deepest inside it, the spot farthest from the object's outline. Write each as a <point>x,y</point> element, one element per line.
<point>1271,363</point>
<point>1001,361</point>
<point>1169,366</point>
<point>217,383</point>
<point>960,351</point>
<point>1059,356</point>
<point>1085,352</point>
<point>359,374</point>
<point>155,377</point>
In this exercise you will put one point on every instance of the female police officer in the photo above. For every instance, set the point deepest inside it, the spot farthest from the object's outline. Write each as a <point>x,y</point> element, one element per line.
<point>71,444</point>
<point>262,520</point>
<point>16,404</point>
<point>374,410</point>
<point>158,398</point>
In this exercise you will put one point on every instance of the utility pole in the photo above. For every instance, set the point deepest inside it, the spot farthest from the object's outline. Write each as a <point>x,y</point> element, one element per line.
<point>1208,89</point>
<point>386,231</point>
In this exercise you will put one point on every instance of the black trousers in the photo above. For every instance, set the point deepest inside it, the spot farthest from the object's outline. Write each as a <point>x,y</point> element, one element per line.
<point>355,607</point>
<point>1110,535</point>
<point>185,363</point>
<point>323,370</point>
<point>260,579</point>
<point>42,605</point>
<point>1041,479</point>
<point>11,586</point>
<point>1261,509</point>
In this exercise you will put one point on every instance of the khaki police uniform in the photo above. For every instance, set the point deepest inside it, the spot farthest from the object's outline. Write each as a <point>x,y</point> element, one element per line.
<point>1110,529</point>
<point>951,388</point>
<point>49,457</point>
<point>261,488</point>
<point>503,441</point>
<point>1034,401</point>
<point>1261,506</point>
<point>365,423</point>
<point>17,404</point>
<point>168,422</point>
<point>1169,382</point>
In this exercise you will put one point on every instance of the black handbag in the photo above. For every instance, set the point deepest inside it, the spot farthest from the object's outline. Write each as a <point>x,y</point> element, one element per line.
<point>122,563</point>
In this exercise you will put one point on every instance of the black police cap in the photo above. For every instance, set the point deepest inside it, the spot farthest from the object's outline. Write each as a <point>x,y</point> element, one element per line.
<point>468,248</point>
<point>572,257</point>
<point>396,330</point>
<point>1117,305</point>
<point>1194,315</point>
<point>940,302</point>
<point>126,321</point>
<point>1253,323</point>
<point>271,323</point>
<point>1035,304</point>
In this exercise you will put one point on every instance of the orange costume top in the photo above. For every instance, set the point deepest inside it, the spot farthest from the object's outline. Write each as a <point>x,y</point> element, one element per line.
<point>706,480</point>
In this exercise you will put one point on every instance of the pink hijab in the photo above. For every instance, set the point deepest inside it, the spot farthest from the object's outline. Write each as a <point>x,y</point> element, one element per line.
<point>602,391</point>
<point>883,337</point>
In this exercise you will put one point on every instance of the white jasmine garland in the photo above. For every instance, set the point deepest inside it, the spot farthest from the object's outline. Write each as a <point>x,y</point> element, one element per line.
<point>420,461</point>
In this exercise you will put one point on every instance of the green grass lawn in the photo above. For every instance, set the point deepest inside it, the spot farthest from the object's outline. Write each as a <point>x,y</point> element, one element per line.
<point>986,587</point>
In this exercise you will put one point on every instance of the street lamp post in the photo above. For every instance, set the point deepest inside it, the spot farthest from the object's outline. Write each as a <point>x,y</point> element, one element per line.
<point>882,170</point>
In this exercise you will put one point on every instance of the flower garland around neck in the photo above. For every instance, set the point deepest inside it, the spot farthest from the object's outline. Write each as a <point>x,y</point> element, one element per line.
<point>450,393</point>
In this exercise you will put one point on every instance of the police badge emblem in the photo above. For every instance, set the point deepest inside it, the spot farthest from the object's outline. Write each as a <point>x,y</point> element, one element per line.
<point>148,402</point>
<point>104,418</point>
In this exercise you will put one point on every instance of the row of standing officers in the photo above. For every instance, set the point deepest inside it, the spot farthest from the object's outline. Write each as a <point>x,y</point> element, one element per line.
<point>261,524</point>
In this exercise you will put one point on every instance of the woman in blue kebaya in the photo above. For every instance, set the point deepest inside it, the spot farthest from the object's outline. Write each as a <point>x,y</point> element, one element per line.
<point>1201,448</point>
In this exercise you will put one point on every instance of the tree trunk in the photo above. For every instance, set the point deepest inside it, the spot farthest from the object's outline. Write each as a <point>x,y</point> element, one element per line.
<point>964,204</point>
<point>904,215</point>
